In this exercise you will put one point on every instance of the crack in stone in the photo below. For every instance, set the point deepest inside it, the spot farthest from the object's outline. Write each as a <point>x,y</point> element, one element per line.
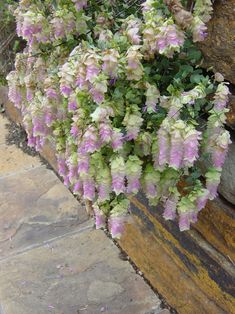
<point>89,226</point>
<point>55,223</point>
<point>47,191</point>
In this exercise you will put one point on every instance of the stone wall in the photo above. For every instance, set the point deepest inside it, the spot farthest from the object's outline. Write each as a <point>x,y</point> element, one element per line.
<point>218,48</point>
<point>219,52</point>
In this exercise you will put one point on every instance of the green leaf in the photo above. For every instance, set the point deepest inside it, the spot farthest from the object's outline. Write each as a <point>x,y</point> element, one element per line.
<point>157,77</point>
<point>147,70</point>
<point>209,106</point>
<point>171,89</point>
<point>194,55</point>
<point>196,78</point>
<point>210,89</point>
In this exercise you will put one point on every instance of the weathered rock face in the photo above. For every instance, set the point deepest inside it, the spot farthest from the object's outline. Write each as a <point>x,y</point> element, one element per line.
<point>218,48</point>
<point>227,184</point>
<point>231,114</point>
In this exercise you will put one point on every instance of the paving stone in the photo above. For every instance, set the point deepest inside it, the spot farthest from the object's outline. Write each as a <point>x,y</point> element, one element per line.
<point>51,258</point>
<point>68,276</point>
<point>165,311</point>
<point>34,207</point>
<point>13,160</point>
<point>158,311</point>
<point>100,290</point>
<point>3,130</point>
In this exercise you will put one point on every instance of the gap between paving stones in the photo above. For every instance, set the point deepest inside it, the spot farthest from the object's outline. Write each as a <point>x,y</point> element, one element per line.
<point>87,226</point>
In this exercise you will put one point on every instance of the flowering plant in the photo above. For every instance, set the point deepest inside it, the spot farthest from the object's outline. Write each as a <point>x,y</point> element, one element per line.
<point>117,87</point>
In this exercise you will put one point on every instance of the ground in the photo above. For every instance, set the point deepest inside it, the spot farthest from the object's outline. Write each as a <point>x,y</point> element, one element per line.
<point>52,260</point>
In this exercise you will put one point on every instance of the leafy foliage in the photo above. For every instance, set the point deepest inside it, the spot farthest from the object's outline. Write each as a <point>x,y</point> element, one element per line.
<point>117,87</point>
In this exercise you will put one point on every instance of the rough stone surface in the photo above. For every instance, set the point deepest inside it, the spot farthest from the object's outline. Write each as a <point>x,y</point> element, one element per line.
<point>227,185</point>
<point>157,311</point>
<point>34,205</point>
<point>231,114</point>
<point>14,160</point>
<point>100,290</point>
<point>218,48</point>
<point>165,311</point>
<point>218,51</point>
<point>61,278</point>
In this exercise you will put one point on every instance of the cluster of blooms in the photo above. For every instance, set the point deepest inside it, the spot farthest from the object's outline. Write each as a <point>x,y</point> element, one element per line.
<point>195,21</point>
<point>203,9</point>
<point>36,25</point>
<point>160,34</point>
<point>201,14</point>
<point>115,127</point>
<point>217,138</point>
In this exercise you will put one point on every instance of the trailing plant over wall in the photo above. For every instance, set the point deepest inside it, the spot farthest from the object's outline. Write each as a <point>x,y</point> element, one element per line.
<point>117,87</point>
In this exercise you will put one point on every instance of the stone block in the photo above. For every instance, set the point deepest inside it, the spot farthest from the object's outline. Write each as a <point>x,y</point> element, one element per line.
<point>35,207</point>
<point>78,274</point>
<point>218,48</point>
<point>13,160</point>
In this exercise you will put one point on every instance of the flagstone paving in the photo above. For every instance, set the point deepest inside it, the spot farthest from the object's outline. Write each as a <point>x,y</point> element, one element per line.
<point>52,260</point>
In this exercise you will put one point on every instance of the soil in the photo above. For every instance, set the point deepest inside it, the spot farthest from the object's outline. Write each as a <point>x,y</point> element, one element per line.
<point>17,136</point>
